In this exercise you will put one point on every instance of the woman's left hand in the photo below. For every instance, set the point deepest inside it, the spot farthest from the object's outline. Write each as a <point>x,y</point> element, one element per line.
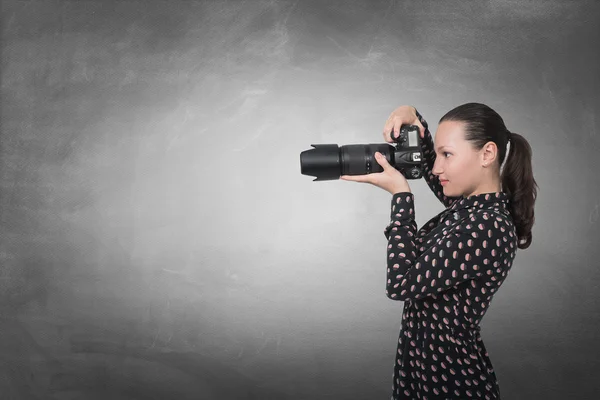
<point>390,179</point>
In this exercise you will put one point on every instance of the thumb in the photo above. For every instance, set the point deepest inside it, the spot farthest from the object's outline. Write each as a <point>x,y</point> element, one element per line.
<point>381,159</point>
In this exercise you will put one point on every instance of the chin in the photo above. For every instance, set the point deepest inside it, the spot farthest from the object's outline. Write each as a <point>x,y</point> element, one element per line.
<point>448,193</point>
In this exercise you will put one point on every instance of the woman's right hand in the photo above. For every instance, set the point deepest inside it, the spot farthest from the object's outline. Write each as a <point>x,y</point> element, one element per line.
<point>403,115</point>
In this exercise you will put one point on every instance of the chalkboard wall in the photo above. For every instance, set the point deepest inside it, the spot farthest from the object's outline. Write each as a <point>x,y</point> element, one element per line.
<point>158,240</point>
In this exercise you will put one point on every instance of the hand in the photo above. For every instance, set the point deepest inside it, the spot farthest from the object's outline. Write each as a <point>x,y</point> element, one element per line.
<point>390,179</point>
<point>403,115</point>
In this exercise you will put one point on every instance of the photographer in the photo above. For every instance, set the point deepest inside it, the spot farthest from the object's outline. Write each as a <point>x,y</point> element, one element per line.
<point>448,271</point>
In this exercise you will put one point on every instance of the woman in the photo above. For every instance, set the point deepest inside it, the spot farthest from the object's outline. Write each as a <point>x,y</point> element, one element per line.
<point>448,271</point>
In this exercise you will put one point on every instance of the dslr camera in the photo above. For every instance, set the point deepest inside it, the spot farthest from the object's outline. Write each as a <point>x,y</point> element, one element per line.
<point>329,161</point>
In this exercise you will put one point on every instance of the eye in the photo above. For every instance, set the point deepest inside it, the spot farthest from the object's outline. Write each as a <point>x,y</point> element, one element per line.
<point>444,153</point>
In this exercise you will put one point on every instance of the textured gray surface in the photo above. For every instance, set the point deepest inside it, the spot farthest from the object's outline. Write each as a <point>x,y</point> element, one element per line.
<point>158,239</point>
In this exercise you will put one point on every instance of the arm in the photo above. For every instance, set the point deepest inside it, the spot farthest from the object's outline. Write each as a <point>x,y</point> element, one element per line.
<point>429,157</point>
<point>464,253</point>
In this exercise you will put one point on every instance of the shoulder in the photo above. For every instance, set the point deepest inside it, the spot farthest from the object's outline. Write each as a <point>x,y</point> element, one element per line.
<point>485,221</point>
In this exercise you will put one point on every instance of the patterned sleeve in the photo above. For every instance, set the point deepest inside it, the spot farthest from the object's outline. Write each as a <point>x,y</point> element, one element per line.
<point>468,251</point>
<point>429,157</point>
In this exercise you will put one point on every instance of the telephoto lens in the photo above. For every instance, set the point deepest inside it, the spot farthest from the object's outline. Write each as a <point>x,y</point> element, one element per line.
<point>328,162</point>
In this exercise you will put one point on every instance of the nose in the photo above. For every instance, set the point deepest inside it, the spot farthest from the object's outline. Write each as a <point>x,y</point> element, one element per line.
<point>436,170</point>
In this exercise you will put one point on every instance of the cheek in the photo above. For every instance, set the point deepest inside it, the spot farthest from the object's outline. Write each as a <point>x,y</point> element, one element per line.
<point>463,167</point>
<point>459,170</point>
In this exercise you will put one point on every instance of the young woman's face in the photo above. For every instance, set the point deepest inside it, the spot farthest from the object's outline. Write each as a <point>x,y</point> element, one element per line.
<point>456,160</point>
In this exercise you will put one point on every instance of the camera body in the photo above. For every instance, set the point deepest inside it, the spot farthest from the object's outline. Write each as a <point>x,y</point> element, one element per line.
<point>330,161</point>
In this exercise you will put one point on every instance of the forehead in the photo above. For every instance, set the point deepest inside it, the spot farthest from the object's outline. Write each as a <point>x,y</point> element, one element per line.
<point>449,134</point>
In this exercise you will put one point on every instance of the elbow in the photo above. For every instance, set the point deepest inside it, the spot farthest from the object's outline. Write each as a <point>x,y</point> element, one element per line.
<point>395,290</point>
<point>396,296</point>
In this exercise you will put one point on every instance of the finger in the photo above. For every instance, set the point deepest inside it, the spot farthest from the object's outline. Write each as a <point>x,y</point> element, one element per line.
<point>397,125</point>
<point>384,163</point>
<point>389,124</point>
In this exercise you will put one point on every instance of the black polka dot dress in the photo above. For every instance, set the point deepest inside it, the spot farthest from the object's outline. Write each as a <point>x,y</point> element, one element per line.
<point>446,273</point>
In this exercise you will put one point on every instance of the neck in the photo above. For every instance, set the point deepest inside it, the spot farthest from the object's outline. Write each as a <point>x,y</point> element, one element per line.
<point>490,187</point>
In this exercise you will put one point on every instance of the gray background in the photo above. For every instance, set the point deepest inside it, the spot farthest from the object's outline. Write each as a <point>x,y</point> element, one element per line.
<point>158,239</point>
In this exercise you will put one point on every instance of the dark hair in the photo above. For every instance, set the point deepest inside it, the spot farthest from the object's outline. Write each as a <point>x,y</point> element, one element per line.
<point>484,125</point>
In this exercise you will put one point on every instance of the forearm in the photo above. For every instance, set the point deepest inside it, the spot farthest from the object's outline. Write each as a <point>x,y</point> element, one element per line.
<point>400,233</point>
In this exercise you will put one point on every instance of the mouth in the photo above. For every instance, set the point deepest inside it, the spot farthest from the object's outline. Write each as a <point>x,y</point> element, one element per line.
<point>443,181</point>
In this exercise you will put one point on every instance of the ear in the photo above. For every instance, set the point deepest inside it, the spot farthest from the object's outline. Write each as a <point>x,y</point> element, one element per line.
<point>489,153</point>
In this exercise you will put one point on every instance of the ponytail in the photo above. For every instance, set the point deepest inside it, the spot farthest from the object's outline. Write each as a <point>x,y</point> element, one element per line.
<point>518,182</point>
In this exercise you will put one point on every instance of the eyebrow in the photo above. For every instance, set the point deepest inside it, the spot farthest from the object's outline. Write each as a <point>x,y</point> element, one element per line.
<point>441,147</point>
